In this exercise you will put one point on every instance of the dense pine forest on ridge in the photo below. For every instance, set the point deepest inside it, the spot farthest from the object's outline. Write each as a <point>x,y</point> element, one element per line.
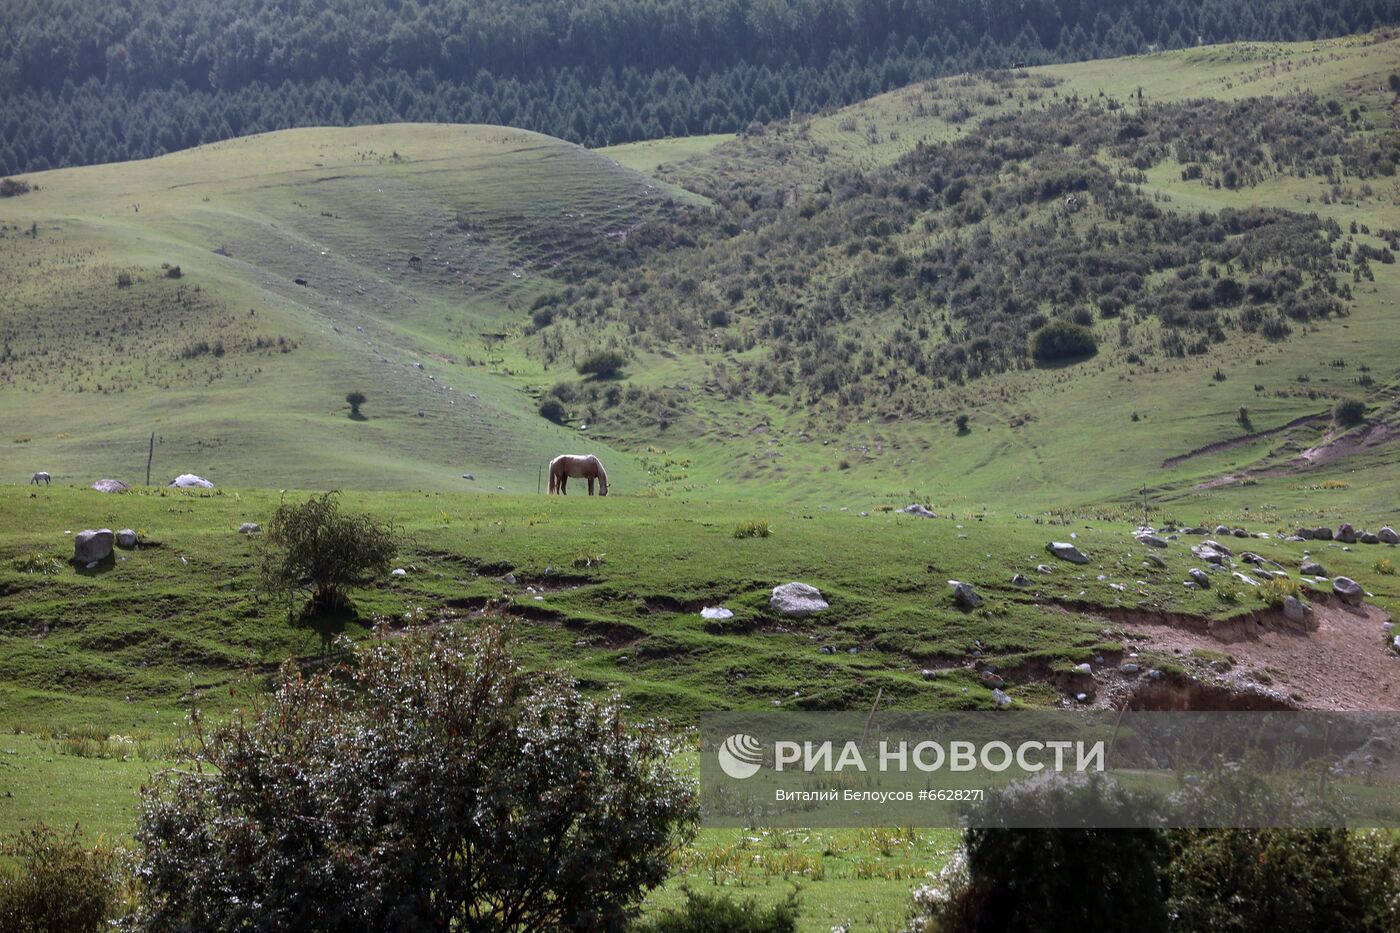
<point>85,83</point>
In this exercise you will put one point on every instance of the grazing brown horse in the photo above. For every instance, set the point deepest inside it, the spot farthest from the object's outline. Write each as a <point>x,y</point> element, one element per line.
<point>586,466</point>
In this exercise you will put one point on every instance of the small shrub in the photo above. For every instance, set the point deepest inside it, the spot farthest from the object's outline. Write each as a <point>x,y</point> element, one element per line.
<point>759,529</point>
<point>173,272</point>
<point>709,913</point>
<point>1275,590</point>
<point>1384,567</point>
<point>37,562</point>
<point>960,422</point>
<point>355,400</point>
<point>553,410</point>
<point>1349,412</point>
<point>1063,341</point>
<point>51,881</point>
<point>312,547</point>
<point>13,187</point>
<point>123,280</point>
<point>606,364</point>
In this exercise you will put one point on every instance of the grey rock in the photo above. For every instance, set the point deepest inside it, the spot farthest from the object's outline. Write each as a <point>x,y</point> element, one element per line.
<point>126,538</point>
<point>1199,577</point>
<point>1346,533</point>
<point>964,595</point>
<point>1388,535</point>
<point>1129,668</point>
<point>1222,529</point>
<point>716,612</point>
<point>797,599</point>
<point>93,547</point>
<point>1208,554</point>
<point>1370,537</point>
<point>1157,560</point>
<point>1066,551</point>
<point>1198,530</point>
<point>920,510</point>
<point>1295,610</point>
<point>509,579</point>
<point>1217,546</point>
<point>1000,698</point>
<point>1020,580</point>
<point>249,528</point>
<point>111,485</point>
<point>398,572</point>
<point>928,674</point>
<point>191,481</point>
<point>992,681</point>
<point>1303,534</point>
<point>1151,540</point>
<point>1240,533</point>
<point>1322,534</point>
<point>1043,568</point>
<point>1312,568</point>
<point>469,476</point>
<point>1349,590</point>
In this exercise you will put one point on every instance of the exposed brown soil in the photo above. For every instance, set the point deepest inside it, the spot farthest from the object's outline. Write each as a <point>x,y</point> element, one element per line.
<point>1343,665</point>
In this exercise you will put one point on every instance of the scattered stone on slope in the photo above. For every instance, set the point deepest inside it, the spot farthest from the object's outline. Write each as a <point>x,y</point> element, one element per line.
<point>1198,530</point>
<point>1200,577</point>
<point>249,528</point>
<point>91,546</point>
<point>1370,537</point>
<point>1066,551</point>
<point>1349,590</point>
<point>992,681</point>
<point>1217,546</point>
<point>1151,540</point>
<point>398,572</point>
<point>1156,560</point>
<point>126,538</point>
<point>1222,530</point>
<point>1000,698</point>
<point>191,481</point>
<point>715,612</point>
<point>1346,533</point>
<point>1322,534</point>
<point>964,595</point>
<point>1044,568</point>
<point>1388,535</point>
<point>1312,568</point>
<point>1208,554</point>
<point>1020,580</point>
<point>1295,610</point>
<point>797,599</point>
<point>917,509</point>
<point>111,485</point>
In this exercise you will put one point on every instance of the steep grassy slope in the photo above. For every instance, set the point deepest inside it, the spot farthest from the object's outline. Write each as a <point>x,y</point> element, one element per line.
<point>238,368</point>
<point>1055,436</point>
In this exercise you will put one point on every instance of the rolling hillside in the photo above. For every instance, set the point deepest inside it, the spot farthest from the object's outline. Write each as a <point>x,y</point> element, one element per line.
<point>534,253</point>
<point>297,283</point>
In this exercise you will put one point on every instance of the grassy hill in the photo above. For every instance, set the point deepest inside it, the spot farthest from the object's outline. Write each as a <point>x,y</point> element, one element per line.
<point>164,296</point>
<point>456,275</point>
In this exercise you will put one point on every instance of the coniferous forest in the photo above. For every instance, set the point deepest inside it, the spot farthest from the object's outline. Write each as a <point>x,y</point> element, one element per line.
<point>84,82</point>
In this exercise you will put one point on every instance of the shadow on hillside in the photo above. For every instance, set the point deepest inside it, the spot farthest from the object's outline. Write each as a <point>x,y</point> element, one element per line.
<point>328,623</point>
<point>83,570</point>
<point>356,416</point>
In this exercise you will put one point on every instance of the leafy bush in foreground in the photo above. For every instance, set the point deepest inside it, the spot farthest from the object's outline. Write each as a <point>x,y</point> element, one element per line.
<point>51,881</point>
<point>1349,412</point>
<point>429,784</point>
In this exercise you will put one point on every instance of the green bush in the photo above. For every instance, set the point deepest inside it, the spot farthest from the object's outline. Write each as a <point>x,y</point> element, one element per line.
<point>1349,412</point>
<point>758,529</point>
<point>712,913</point>
<point>553,409</point>
<point>428,784</point>
<point>312,547</point>
<point>1284,880</point>
<point>51,881</point>
<point>355,400</point>
<point>1060,341</point>
<point>606,364</point>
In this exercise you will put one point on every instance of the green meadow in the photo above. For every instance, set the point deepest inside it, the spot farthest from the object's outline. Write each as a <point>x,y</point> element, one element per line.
<point>225,300</point>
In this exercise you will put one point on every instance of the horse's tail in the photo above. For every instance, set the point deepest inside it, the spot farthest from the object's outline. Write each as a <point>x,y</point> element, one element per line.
<point>602,477</point>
